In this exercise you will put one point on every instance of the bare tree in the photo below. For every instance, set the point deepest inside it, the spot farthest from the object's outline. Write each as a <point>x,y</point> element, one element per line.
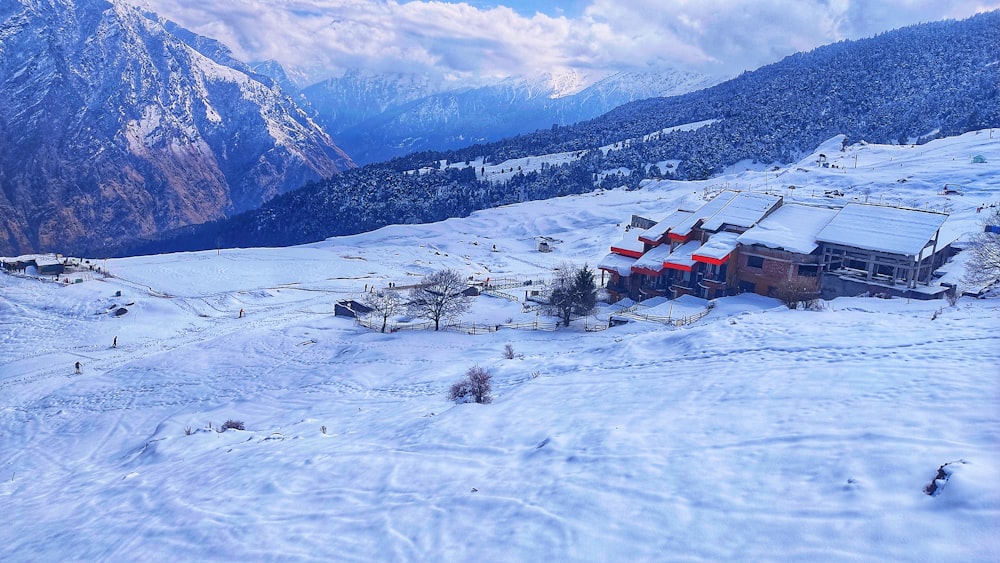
<point>383,303</point>
<point>573,292</point>
<point>440,295</point>
<point>983,266</point>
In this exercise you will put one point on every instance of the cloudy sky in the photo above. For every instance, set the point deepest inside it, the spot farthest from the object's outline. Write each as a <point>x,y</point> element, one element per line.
<point>484,38</point>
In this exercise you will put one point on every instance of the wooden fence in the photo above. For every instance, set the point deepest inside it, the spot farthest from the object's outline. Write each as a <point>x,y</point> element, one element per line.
<point>671,321</point>
<point>467,328</point>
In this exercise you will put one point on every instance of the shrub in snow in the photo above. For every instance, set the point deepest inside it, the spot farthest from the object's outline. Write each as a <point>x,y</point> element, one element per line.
<point>508,352</point>
<point>799,293</point>
<point>474,388</point>
<point>234,424</point>
<point>952,296</point>
<point>944,472</point>
<point>983,266</point>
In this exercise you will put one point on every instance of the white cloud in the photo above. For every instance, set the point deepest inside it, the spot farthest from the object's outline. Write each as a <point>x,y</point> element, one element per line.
<point>325,37</point>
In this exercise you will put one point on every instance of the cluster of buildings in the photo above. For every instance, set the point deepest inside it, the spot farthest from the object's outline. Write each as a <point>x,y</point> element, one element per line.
<point>43,265</point>
<point>754,242</point>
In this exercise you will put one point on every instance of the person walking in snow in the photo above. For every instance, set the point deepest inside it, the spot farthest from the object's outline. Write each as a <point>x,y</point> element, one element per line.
<point>241,313</point>
<point>114,343</point>
<point>78,365</point>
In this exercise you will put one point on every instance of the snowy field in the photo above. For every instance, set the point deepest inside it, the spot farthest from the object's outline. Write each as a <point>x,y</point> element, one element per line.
<point>757,433</point>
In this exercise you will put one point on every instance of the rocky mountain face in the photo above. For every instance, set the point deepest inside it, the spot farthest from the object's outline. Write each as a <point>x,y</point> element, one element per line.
<point>376,117</point>
<point>113,127</point>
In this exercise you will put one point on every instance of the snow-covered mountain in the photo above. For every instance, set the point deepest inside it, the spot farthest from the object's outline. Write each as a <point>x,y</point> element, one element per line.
<point>118,125</point>
<point>358,96</point>
<point>942,81</point>
<point>379,116</point>
<point>757,433</point>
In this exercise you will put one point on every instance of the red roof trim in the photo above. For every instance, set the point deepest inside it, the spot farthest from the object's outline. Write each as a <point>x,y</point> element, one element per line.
<point>645,271</point>
<point>678,236</point>
<point>677,267</point>
<point>626,252</point>
<point>710,260</point>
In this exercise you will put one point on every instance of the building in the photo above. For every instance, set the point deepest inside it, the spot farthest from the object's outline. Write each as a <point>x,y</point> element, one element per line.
<point>872,249</point>
<point>688,252</point>
<point>44,264</point>
<point>782,250</point>
<point>751,242</point>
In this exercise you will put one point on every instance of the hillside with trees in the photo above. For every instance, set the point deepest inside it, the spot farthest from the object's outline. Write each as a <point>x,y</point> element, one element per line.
<point>906,86</point>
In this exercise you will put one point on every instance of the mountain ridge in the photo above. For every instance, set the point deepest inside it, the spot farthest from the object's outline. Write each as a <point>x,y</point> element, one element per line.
<point>379,116</point>
<point>117,128</point>
<point>910,85</point>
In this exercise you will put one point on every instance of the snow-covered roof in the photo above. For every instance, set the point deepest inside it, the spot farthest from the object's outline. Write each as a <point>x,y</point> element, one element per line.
<point>717,248</point>
<point>883,229</point>
<point>743,210</point>
<point>630,245</point>
<point>652,261</point>
<point>682,258</point>
<point>47,260</point>
<point>704,212</point>
<point>616,263</point>
<point>659,230</point>
<point>792,227</point>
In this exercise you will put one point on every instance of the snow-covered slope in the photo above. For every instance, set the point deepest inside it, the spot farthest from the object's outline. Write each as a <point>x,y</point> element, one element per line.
<point>757,433</point>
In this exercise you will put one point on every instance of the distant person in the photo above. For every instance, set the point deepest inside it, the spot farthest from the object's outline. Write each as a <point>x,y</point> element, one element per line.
<point>241,313</point>
<point>78,366</point>
<point>114,343</point>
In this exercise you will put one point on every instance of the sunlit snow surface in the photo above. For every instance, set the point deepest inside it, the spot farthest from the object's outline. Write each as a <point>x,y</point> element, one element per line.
<point>758,433</point>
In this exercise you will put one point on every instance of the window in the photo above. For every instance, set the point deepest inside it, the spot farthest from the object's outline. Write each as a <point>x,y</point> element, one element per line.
<point>747,287</point>
<point>808,270</point>
<point>755,262</point>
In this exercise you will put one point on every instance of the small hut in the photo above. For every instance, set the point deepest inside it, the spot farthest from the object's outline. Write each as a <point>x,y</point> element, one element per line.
<point>49,266</point>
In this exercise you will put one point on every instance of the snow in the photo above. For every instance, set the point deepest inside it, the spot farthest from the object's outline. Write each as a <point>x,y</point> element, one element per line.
<point>677,128</point>
<point>743,210</point>
<point>885,229</point>
<point>756,433</point>
<point>629,244</point>
<point>704,212</point>
<point>792,227</point>
<point>683,306</point>
<point>652,261</point>
<point>504,171</point>
<point>654,234</point>
<point>717,248</point>
<point>683,256</point>
<point>617,263</point>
